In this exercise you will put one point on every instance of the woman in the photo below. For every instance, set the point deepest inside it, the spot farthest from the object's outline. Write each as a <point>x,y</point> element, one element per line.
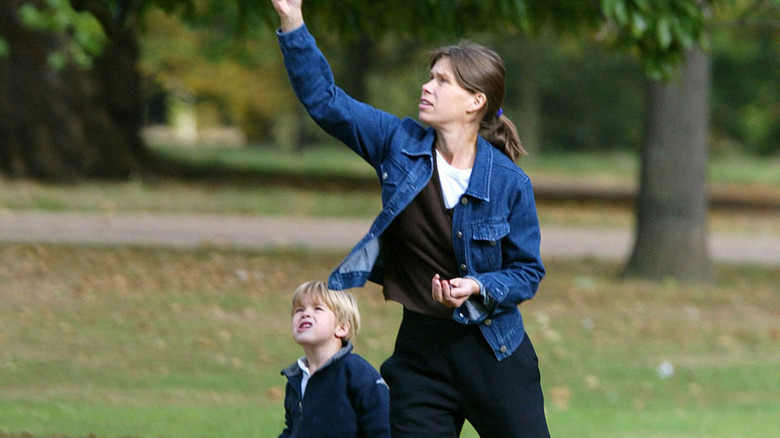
<point>456,243</point>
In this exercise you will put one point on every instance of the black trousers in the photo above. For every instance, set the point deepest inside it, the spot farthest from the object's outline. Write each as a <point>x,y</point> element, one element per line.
<point>443,373</point>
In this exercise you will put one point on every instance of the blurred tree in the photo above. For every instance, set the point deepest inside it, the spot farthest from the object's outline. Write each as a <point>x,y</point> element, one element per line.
<point>746,68</point>
<point>671,221</point>
<point>229,77</point>
<point>69,91</point>
<point>589,98</point>
<point>57,121</point>
<point>63,119</point>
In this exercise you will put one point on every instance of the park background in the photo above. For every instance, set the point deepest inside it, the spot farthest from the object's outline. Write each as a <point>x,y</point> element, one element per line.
<point>156,341</point>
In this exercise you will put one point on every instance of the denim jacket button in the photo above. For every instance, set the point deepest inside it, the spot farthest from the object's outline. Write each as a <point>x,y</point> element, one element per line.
<point>459,234</point>
<point>503,349</point>
<point>384,175</point>
<point>492,243</point>
<point>463,268</point>
<point>488,322</point>
<point>464,200</point>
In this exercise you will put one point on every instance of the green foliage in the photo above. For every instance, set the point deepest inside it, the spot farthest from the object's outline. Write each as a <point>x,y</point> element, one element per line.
<point>222,53</point>
<point>589,99</point>
<point>87,36</point>
<point>746,71</point>
<point>240,81</point>
<point>659,31</point>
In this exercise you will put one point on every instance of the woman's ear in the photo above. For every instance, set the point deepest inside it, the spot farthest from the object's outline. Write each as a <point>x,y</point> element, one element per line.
<point>479,101</point>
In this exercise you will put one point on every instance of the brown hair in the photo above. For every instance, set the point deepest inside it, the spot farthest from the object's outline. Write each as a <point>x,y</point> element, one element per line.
<point>481,70</point>
<point>341,302</point>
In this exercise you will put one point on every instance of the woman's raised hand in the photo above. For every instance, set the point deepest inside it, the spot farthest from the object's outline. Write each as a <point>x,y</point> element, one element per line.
<point>290,13</point>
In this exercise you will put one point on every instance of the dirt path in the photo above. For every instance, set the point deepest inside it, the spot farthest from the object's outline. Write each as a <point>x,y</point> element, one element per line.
<point>341,234</point>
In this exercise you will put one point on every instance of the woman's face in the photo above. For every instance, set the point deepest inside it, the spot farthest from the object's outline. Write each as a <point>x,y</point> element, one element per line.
<point>443,100</point>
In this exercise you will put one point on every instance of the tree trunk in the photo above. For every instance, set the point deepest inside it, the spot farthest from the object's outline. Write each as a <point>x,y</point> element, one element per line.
<point>70,123</point>
<point>672,232</point>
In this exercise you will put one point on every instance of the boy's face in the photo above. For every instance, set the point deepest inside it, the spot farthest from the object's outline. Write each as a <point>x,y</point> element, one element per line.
<point>315,323</point>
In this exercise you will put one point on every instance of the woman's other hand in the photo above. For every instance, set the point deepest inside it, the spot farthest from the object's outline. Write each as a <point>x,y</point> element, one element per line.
<point>453,292</point>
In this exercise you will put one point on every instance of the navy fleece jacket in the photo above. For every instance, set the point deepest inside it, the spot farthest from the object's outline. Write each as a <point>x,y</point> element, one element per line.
<point>345,398</point>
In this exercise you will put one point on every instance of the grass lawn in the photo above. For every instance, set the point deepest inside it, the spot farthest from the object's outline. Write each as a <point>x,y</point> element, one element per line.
<point>151,342</point>
<point>334,159</point>
<point>214,196</point>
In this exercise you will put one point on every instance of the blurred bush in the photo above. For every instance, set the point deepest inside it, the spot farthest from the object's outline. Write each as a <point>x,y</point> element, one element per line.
<point>563,94</point>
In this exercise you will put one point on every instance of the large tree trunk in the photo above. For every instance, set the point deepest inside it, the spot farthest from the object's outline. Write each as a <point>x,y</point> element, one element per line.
<point>672,232</point>
<point>70,123</point>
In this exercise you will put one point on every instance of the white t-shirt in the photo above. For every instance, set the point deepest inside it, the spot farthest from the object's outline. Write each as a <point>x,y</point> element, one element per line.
<point>306,375</point>
<point>453,181</point>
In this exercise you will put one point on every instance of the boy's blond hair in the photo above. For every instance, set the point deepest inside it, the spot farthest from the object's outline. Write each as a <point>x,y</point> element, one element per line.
<point>341,302</point>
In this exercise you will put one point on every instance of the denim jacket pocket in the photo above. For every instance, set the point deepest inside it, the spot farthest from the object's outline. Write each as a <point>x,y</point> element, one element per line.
<point>487,245</point>
<point>390,176</point>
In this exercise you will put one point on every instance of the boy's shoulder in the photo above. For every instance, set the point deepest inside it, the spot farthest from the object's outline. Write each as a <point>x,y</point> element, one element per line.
<point>360,371</point>
<point>357,361</point>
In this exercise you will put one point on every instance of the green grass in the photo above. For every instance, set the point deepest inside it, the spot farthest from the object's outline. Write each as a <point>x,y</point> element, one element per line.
<point>151,342</point>
<point>333,159</point>
<point>152,420</point>
<point>180,197</point>
<point>326,159</point>
<point>228,197</point>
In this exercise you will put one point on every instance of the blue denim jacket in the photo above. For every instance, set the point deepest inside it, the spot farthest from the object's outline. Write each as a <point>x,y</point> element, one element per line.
<point>495,230</point>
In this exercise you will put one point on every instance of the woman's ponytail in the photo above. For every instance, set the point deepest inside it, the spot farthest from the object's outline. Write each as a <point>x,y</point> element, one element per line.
<point>480,69</point>
<point>501,133</point>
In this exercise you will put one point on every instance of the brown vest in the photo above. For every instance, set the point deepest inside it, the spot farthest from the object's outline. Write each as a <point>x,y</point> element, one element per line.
<point>420,241</point>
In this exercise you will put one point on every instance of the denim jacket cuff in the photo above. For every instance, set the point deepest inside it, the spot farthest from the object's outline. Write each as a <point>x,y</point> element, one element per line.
<point>303,30</point>
<point>490,303</point>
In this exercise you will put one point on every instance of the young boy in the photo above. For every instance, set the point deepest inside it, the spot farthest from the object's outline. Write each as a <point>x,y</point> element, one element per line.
<point>331,392</point>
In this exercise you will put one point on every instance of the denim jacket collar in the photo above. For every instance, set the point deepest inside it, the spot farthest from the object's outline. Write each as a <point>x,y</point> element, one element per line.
<point>479,186</point>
